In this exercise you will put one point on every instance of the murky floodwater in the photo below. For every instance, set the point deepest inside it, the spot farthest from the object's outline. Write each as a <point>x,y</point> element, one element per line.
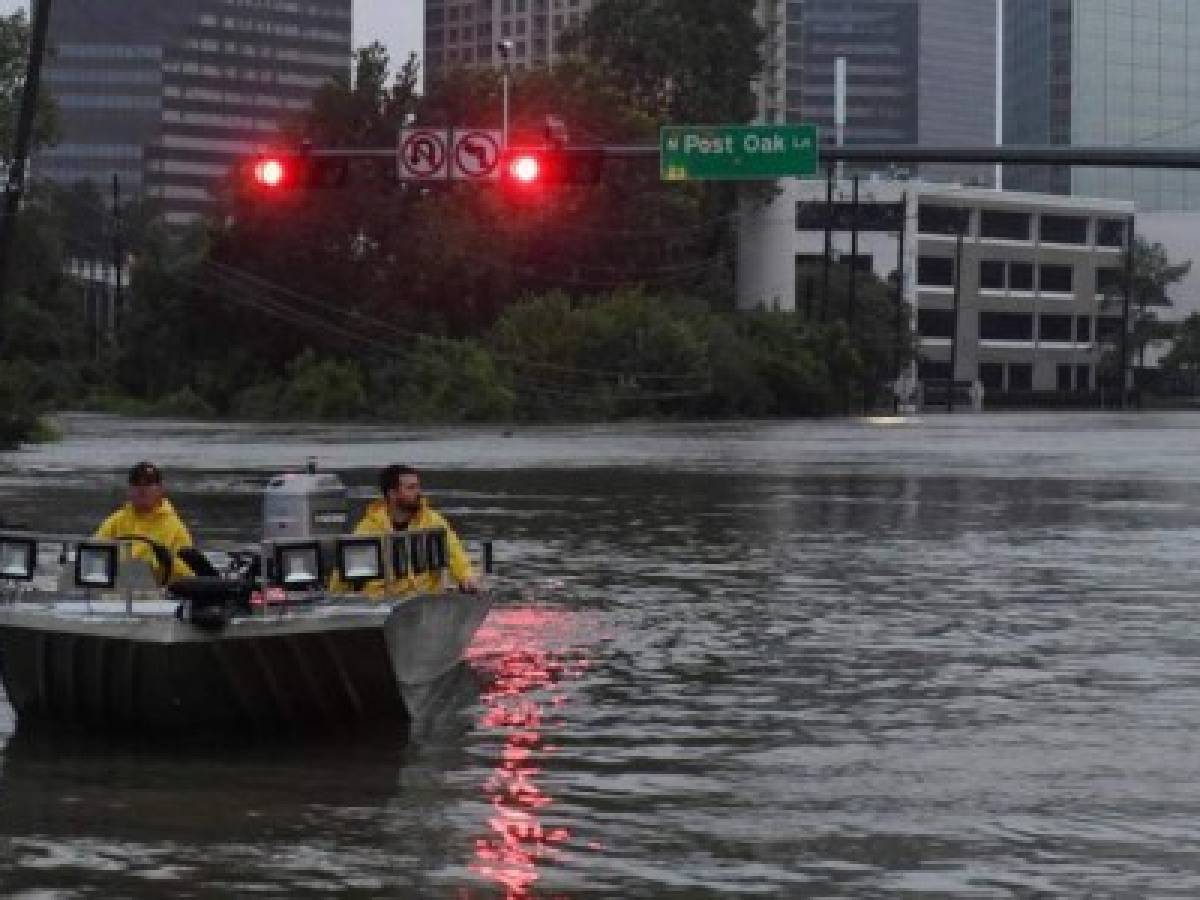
<point>958,657</point>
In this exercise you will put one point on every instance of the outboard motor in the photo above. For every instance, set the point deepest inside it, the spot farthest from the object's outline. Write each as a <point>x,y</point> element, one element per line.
<point>306,505</point>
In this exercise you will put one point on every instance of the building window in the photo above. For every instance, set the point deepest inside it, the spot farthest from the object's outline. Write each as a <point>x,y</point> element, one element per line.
<point>1110,233</point>
<point>991,275</point>
<point>1110,282</point>
<point>997,326</point>
<point>991,376</point>
<point>935,271</point>
<point>942,219</point>
<point>1007,226</point>
<point>1056,279</point>
<point>935,323</point>
<point>1064,230</point>
<point>1083,329</point>
<point>1020,376</point>
<point>1020,276</point>
<point>1055,328</point>
<point>1064,377</point>
<point>933,369</point>
<point>1108,328</point>
<point>1083,378</point>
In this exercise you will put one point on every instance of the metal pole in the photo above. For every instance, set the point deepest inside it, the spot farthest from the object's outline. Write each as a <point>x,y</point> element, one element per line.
<point>828,240</point>
<point>504,120</point>
<point>1129,242</point>
<point>24,136</point>
<point>853,295</point>
<point>999,89</point>
<point>900,278</point>
<point>839,105</point>
<point>958,252</point>
<point>118,250</point>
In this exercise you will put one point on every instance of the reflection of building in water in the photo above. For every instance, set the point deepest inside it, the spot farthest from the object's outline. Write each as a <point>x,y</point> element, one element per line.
<point>516,705</point>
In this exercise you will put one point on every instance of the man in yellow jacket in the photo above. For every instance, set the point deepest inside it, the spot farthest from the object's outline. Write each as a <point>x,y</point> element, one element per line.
<point>404,508</point>
<point>149,514</point>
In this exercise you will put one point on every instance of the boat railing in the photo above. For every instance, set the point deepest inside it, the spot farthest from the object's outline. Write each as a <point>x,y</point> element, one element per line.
<point>43,567</point>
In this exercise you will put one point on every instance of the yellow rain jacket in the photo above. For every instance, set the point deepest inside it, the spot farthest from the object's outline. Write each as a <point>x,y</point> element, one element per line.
<point>161,524</point>
<point>377,520</point>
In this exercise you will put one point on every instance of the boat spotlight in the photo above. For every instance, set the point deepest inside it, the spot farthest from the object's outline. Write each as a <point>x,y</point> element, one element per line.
<point>360,559</point>
<point>96,565</point>
<point>399,555</point>
<point>418,551</point>
<point>18,557</point>
<point>298,564</point>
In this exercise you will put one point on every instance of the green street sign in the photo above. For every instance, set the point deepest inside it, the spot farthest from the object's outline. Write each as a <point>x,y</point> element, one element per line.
<point>738,152</point>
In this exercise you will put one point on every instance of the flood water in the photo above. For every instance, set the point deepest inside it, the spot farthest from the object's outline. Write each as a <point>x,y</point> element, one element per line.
<point>957,657</point>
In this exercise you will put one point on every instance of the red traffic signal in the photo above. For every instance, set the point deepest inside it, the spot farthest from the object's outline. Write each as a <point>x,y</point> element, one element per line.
<point>524,168</point>
<point>532,167</point>
<point>280,173</point>
<point>272,172</point>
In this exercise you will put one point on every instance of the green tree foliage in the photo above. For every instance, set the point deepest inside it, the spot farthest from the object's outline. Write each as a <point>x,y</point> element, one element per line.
<point>14,57</point>
<point>1153,276</point>
<point>684,61</point>
<point>1184,358</point>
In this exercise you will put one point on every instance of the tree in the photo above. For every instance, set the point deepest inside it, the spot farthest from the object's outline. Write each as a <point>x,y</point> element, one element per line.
<point>686,61</point>
<point>14,57</point>
<point>1153,275</point>
<point>1184,358</point>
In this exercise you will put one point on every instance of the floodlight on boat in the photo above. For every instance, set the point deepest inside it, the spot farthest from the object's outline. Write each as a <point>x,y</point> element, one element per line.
<point>298,564</point>
<point>418,552</point>
<point>360,559</point>
<point>18,557</point>
<point>400,554</point>
<point>96,565</point>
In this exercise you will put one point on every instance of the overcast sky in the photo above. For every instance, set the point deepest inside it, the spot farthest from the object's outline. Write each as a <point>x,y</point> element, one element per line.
<point>395,22</point>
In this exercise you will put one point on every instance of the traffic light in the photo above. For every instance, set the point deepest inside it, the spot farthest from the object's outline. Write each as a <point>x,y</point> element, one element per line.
<point>531,168</point>
<point>282,173</point>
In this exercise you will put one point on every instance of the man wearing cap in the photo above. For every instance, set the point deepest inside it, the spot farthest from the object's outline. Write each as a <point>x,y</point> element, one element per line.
<point>404,508</point>
<point>149,514</point>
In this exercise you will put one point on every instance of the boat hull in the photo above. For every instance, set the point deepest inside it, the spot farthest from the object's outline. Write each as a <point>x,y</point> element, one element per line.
<point>323,668</point>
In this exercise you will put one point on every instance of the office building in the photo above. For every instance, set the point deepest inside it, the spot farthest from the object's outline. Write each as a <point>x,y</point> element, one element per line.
<point>916,72</point>
<point>167,96</point>
<point>1037,291</point>
<point>1105,72</point>
<point>466,32</point>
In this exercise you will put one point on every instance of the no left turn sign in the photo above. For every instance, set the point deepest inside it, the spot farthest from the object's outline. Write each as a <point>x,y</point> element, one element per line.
<point>476,155</point>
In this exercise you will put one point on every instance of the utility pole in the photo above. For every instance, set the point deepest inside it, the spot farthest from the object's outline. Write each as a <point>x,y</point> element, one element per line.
<point>118,252</point>
<point>1128,298</point>
<point>20,151</point>
<point>827,258</point>
<point>852,298</point>
<point>958,254</point>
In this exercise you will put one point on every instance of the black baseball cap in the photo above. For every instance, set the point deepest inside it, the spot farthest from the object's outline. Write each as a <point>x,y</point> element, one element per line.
<point>144,473</point>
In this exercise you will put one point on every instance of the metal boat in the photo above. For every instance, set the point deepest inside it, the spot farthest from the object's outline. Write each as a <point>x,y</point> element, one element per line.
<point>327,664</point>
<point>89,641</point>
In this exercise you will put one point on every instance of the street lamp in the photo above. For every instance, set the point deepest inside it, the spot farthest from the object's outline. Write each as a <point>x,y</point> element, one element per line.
<point>506,48</point>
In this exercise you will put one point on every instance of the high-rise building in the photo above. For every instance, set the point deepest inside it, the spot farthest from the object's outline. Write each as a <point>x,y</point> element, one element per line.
<point>917,72</point>
<point>168,95</point>
<point>1105,72</point>
<point>466,32</point>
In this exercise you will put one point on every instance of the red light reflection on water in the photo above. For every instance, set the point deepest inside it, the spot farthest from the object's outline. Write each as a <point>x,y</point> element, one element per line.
<point>513,645</point>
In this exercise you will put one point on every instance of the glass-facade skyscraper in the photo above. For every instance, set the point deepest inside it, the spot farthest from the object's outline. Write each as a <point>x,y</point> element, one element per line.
<point>917,72</point>
<point>1108,73</point>
<point>464,33</point>
<point>167,95</point>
